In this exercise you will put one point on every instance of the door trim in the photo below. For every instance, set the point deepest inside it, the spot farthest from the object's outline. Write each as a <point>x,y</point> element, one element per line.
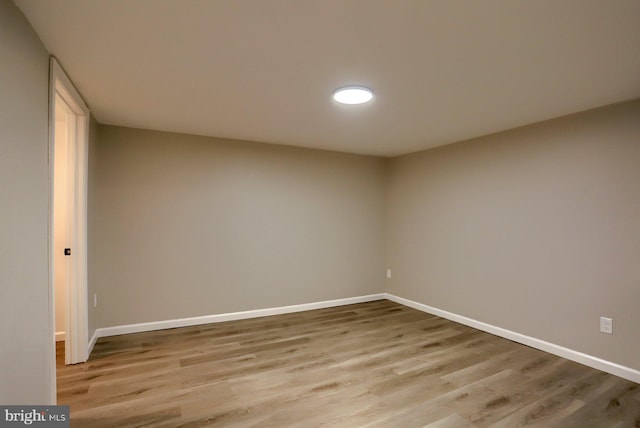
<point>77,324</point>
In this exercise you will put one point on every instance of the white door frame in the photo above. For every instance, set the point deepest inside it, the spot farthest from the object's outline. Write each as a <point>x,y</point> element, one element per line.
<point>77,341</point>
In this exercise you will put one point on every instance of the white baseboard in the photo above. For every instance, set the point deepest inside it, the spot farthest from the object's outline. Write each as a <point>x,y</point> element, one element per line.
<point>92,343</point>
<point>232,316</point>
<point>579,357</point>
<point>60,335</point>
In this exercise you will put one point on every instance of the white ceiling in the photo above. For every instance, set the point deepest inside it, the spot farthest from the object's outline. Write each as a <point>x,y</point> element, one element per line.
<point>264,70</point>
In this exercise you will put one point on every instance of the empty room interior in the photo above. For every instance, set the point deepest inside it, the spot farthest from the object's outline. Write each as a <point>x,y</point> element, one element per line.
<point>325,213</point>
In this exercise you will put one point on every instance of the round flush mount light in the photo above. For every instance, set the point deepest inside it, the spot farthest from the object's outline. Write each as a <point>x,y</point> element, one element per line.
<point>353,95</point>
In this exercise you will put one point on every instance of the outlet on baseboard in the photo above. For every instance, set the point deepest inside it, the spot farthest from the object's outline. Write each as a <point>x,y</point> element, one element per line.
<point>606,325</point>
<point>389,273</point>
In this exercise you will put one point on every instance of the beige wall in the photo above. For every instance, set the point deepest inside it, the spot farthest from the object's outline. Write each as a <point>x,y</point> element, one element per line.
<point>536,230</point>
<point>91,224</point>
<point>186,226</point>
<point>25,317</point>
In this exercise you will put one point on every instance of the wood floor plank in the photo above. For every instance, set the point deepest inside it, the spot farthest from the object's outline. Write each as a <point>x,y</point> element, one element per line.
<point>451,421</point>
<point>375,364</point>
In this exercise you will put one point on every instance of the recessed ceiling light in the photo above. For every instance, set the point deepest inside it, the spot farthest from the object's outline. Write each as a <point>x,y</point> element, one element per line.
<point>353,95</point>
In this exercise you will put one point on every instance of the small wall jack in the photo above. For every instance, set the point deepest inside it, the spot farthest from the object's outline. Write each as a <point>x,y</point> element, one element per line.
<point>606,325</point>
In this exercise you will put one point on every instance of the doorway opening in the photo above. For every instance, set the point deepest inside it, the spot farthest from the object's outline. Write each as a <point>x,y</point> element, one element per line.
<point>64,135</point>
<point>68,148</point>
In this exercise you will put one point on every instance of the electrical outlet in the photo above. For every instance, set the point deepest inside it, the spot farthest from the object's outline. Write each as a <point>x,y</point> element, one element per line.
<point>95,300</point>
<point>389,273</point>
<point>606,325</point>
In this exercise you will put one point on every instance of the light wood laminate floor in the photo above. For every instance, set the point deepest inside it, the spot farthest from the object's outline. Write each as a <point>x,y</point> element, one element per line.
<point>376,364</point>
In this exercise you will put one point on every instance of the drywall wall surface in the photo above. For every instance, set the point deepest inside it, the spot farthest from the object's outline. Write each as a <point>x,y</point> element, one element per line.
<point>536,230</point>
<point>92,166</point>
<point>26,321</point>
<point>187,226</point>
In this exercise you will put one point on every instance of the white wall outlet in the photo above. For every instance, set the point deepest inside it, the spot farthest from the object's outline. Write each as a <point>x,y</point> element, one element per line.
<point>606,325</point>
<point>389,273</point>
<point>95,300</point>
